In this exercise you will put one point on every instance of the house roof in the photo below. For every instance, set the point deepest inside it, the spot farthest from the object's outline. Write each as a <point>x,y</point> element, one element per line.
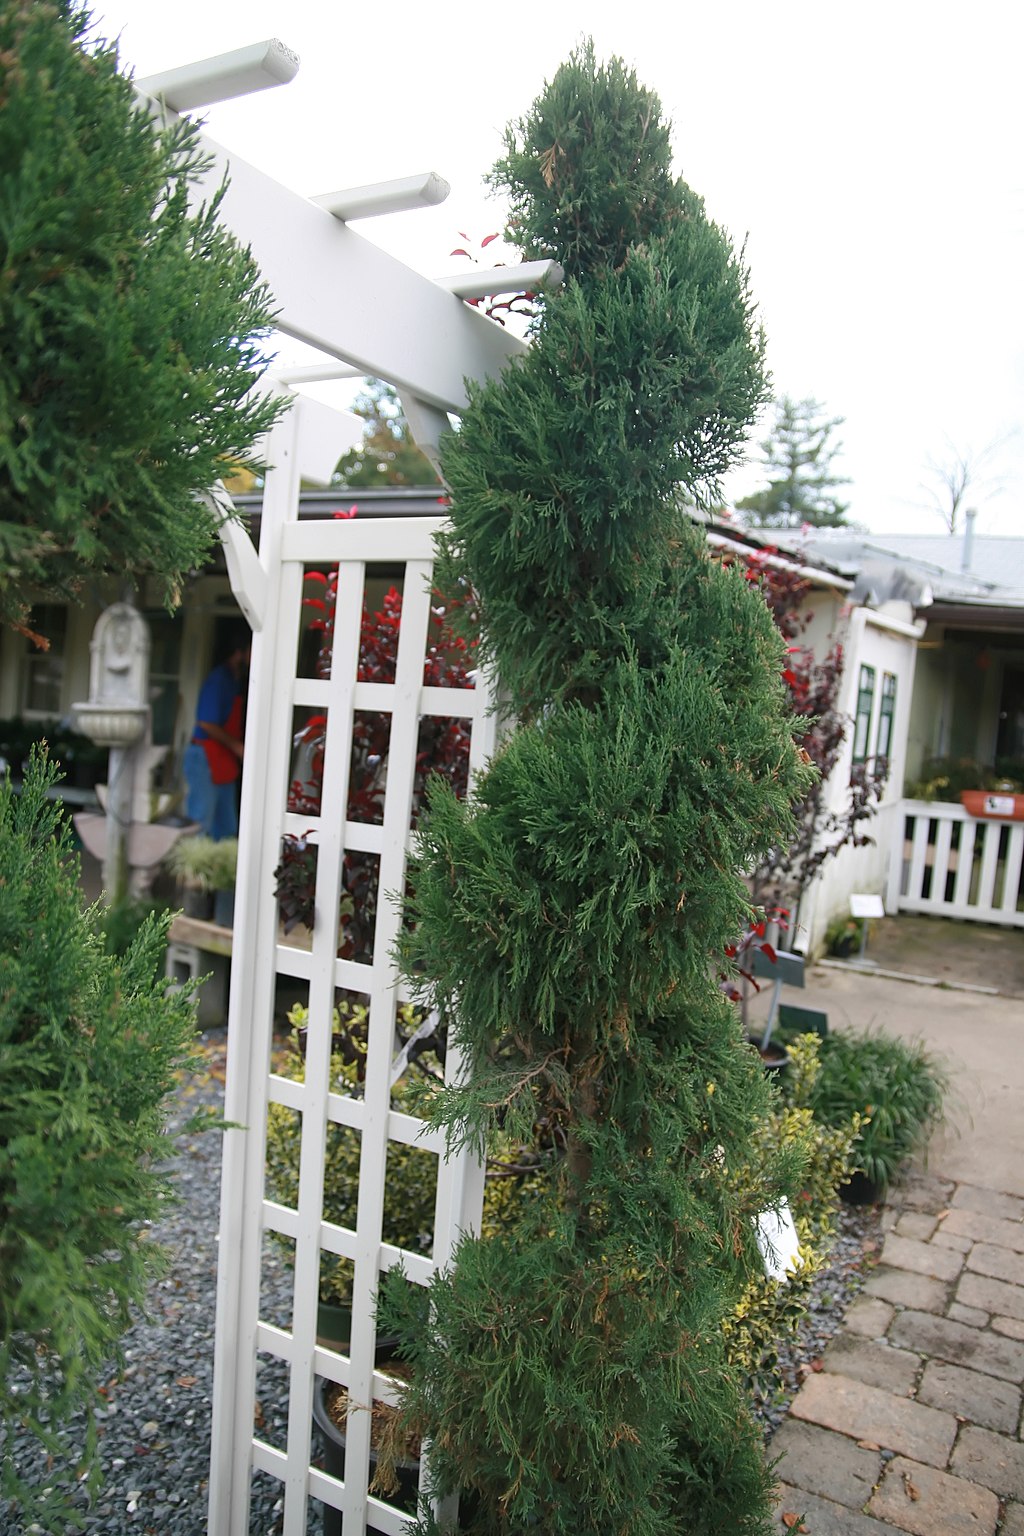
<point>926,571</point>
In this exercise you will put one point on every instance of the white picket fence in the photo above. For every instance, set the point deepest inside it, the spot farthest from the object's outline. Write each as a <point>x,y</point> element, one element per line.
<point>952,864</point>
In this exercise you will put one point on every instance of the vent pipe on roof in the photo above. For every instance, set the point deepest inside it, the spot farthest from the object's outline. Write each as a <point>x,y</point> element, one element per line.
<point>968,549</point>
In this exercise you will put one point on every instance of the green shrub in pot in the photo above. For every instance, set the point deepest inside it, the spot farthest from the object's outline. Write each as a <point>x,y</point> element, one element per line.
<point>204,863</point>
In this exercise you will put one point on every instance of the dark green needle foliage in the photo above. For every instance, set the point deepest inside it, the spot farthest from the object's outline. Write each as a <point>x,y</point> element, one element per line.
<point>90,1047</point>
<point>569,921</point>
<point>129,323</point>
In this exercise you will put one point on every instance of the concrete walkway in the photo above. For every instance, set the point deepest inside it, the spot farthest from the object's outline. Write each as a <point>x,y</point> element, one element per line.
<point>913,1422</point>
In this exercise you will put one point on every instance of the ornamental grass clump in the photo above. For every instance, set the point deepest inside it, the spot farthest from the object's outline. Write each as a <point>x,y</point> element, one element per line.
<point>897,1087</point>
<point>567,921</point>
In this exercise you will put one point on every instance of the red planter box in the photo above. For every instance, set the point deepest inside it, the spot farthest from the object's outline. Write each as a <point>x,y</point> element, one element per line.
<point>992,805</point>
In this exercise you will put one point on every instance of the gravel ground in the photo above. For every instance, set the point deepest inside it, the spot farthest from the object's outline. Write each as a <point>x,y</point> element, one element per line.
<point>856,1244</point>
<point>154,1419</point>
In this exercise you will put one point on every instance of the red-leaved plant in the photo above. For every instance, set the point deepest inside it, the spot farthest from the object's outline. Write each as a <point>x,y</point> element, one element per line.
<point>780,880</point>
<point>442,748</point>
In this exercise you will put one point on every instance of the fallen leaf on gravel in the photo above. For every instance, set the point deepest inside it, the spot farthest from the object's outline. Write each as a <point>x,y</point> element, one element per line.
<point>868,1445</point>
<point>186,1381</point>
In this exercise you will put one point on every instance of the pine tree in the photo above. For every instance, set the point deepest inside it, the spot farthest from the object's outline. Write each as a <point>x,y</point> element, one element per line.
<point>387,455</point>
<point>568,920</point>
<point>798,456</point>
<point>128,324</point>
<point>90,1046</point>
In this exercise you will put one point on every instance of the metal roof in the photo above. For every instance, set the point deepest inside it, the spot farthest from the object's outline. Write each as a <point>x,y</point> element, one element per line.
<point>924,569</point>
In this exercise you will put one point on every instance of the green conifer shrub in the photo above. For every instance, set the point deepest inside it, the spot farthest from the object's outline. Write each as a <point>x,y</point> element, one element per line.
<point>90,1046</point>
<point>568,920</point>
<point>129,323</point>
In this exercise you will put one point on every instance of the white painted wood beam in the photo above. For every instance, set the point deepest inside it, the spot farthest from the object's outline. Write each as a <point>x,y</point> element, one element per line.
<point>257,67</point>
<point>342,294</point>
<point>315,373</point>
<point>524,277</point>
<point>427,424</point>
<point>399,196</point>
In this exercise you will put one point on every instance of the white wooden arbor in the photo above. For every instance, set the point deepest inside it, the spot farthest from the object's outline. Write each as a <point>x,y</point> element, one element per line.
<point>357,305</point>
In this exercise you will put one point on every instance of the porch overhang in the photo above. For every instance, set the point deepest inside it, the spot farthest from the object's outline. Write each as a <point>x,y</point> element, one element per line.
<point>975,616</point>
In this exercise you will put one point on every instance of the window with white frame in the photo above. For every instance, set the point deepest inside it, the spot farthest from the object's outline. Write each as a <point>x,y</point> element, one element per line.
<point>862,719</point>
<point>886,714</point>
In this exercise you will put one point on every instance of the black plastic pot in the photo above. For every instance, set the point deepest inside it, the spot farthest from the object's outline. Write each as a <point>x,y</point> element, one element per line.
<point>197,903</point>
<point>860,1190</point>
<point>774,1057</point>
<point>407,1472</point>
<point>334,1325</point>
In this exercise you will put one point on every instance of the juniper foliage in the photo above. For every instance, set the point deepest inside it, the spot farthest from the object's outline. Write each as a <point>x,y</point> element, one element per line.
<point>130,323</point>
<point>90,1045</point>
<point>569,918</point>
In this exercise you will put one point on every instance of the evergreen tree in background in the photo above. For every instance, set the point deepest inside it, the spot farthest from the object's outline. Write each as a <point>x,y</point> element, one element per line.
<point>798,456</point>
<point>387,454</point>
<point>569,919</point>
<point>128,323</point>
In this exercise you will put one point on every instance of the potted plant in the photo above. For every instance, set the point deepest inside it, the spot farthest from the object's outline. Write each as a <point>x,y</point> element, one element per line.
<point>222,880</point>
<point>205,866</point>
<point>987,790</point>
<point>843,936</point>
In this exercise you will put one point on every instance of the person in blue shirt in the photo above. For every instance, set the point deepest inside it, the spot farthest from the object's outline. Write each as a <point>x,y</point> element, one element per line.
<point>213,758</point>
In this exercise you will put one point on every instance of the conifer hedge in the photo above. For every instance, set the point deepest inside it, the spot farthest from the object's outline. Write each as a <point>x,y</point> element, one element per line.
<point>90,1048</point>
<point>569,921</point>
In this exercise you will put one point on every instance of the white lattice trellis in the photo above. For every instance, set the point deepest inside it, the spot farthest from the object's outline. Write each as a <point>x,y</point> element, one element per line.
<point>262,955</point>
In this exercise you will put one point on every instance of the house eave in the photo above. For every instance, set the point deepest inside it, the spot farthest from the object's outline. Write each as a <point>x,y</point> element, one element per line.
<point>994,616</point>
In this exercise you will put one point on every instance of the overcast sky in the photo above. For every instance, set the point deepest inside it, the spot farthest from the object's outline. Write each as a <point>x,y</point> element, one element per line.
<point>870,156</point>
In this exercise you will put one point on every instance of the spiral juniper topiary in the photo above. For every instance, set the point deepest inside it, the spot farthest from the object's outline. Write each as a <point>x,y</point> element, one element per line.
<point>567,920</point>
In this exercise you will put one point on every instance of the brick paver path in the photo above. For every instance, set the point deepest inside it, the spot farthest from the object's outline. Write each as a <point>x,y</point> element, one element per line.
<point>914,1421</point>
